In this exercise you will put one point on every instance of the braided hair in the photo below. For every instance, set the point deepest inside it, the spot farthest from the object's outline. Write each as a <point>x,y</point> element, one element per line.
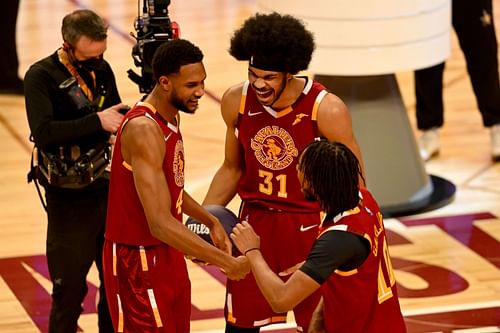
<point>273,42</point>
<point>332,172</point>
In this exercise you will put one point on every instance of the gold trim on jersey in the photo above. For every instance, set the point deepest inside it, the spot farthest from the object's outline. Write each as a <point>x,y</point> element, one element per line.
<point>338,227</point>
<point>173,127</point>
<point>317,102</point>
<point>124,123</point>
<point>127,166</point>
<point>277,114</point>
<point>149,106</point>
<point>243,99</point>
<point>348,273</point>
<point>270,320</point>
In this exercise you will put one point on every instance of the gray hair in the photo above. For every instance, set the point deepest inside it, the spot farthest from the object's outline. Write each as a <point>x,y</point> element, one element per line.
<point>83,22</point>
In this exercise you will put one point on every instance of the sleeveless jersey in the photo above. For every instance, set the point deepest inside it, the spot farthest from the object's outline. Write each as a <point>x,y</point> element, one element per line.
<point>364,299</point>
<point>126,222</point>
<point>271,143</point>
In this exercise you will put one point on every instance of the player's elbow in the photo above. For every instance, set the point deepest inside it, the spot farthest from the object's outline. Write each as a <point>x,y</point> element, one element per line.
<point>155,231</point>
<point>279,301</point>
<point>158,231</point>
<point>280,306</point>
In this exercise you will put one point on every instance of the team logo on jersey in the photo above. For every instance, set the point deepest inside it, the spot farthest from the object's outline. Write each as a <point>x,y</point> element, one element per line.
<point>298,118</point>
<point>179,163</point>
<point>274,147</point>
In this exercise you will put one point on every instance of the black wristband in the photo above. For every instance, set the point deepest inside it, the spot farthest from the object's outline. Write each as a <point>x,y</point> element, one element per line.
<point>253,248</point>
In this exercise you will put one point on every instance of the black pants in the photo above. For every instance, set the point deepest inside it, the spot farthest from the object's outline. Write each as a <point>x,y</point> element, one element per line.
<point>9,63</point>
<point>479,45</point>
<point>75,237</point>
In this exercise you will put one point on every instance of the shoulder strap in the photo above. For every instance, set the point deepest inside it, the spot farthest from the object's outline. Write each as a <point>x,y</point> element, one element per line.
<point>54,70</point>
<point>32,176</point>
<point>63,58</point>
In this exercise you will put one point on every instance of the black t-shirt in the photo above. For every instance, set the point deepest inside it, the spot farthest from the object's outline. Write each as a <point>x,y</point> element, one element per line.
<point>53,118</point>
<point>335,249</point>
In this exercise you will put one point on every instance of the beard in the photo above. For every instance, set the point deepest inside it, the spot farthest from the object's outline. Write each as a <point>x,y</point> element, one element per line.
<point>277,92</point>
<point>182,106</point>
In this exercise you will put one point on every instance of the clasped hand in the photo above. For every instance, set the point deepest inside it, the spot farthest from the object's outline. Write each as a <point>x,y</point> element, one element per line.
<point>245,238</point>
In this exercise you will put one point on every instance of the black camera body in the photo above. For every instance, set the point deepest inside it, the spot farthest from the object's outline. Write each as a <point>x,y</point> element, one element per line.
<point>152,28</point>
<point>69,168</point>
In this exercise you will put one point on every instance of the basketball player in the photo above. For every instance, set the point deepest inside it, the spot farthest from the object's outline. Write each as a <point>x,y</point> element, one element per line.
<point>148,287</point>
<point>349,260</point>
<point>270,118</point>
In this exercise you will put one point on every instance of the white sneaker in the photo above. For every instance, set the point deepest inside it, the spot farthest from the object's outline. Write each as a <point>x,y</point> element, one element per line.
<point>495,142</point>
<point>428,144</point>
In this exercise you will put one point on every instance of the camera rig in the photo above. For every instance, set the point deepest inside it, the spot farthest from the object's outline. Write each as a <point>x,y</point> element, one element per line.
<point>153,27</point>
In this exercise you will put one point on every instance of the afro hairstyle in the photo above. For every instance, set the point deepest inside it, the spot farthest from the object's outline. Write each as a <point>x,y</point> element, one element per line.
<point>273,42</point>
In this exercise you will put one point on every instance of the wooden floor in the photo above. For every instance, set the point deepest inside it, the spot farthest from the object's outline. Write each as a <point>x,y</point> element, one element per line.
<point>447,261</point>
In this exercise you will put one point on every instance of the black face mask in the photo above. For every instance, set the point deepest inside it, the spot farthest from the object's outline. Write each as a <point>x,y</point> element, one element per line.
<point>94,64</point>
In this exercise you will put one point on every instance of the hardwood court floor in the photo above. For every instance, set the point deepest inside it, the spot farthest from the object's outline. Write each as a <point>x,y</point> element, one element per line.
<point>447,261</point>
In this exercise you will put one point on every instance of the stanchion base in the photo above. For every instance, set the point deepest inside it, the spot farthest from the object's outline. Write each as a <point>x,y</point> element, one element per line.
<point>442,194</point>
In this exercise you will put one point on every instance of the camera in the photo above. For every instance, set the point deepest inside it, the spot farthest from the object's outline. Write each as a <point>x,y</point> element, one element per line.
<point>68,168</point>
<point>153,27</point>
<point>73,90</point>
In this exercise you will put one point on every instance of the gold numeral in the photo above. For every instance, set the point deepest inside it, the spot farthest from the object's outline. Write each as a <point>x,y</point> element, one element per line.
<point>266,186</point>
<point>178,203</point>
<point>384,288</point>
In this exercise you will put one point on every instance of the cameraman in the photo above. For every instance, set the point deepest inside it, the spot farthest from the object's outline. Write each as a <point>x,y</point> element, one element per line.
<point>68,123</point>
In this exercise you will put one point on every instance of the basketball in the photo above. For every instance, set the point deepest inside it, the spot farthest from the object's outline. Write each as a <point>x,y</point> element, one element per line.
<point>226,217</point>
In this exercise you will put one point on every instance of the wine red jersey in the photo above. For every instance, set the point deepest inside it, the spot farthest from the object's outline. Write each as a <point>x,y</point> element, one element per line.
<point>126,222</point>
<point>271,143</point>
<point>364,299</point>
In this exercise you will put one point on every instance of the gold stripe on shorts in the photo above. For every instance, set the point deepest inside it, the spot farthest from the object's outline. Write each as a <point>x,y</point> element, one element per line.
<point>229,302</point>
<point>120,314</point>
<point>270,320</point>
<point>154,307</point>
<point>144,259</point>
<point>114,259</point>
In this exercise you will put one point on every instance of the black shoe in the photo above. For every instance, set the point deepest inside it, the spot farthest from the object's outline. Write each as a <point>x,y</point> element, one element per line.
<point>12,88</point>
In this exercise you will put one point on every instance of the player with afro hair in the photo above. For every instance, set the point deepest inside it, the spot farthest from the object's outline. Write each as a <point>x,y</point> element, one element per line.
<point>270,118</point>
<point>273,42</point>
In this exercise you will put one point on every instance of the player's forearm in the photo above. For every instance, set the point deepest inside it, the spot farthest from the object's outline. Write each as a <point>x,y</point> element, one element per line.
<point>271,286</point>
<point>192,208</point>
<point>223,187</point>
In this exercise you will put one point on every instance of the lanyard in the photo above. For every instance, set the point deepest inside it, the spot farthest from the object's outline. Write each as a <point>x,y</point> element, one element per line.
<point>63,58</point>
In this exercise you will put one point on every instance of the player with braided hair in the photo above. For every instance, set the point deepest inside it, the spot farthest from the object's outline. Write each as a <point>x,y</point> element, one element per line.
<point>270,118</point>
<point>349,261</point>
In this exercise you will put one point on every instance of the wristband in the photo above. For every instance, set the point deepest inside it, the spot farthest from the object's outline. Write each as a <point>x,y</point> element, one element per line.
<point>253,248</point>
